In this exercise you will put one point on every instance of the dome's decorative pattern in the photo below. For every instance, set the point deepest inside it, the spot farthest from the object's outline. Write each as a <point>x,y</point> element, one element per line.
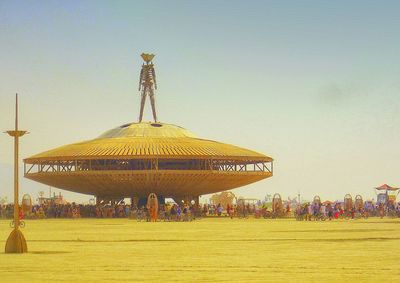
<point>143,140</point>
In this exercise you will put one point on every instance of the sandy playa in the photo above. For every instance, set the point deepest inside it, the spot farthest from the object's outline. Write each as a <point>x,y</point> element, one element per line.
<point>104,250</point>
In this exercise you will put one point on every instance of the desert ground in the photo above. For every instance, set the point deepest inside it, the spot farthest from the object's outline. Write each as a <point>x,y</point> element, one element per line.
<point>206,250</point>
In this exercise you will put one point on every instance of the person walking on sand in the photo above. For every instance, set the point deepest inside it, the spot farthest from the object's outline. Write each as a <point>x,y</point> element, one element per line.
<point>381,210</point>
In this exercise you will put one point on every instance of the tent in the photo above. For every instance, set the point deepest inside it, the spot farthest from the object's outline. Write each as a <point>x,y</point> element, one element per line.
<point>386,187</point>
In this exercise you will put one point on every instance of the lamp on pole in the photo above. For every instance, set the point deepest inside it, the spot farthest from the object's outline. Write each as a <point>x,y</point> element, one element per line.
<point>16,242</point>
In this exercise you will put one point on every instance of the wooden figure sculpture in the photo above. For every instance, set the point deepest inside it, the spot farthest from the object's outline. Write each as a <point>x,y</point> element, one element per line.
<point>147,84</point>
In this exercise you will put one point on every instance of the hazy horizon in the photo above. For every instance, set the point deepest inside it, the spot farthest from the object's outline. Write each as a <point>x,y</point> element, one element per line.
<point>313,84</point>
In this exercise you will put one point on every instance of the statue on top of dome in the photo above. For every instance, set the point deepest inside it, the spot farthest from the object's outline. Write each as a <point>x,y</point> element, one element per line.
<point>147,84</point>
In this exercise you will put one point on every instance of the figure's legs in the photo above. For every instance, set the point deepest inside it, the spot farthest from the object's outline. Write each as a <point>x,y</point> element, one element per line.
<point>153,104</point>
<point>142,104</point>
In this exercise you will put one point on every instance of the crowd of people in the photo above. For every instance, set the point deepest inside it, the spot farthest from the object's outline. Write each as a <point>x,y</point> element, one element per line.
<point>188,212</point>
<point>167,212</point>
<point>322,211</point>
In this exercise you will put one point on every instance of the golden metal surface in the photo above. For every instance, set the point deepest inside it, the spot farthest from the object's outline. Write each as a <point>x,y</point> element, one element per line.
<point>142,140</point>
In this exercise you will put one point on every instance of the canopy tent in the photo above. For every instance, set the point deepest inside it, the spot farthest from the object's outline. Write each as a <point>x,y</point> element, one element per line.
<point>386,187</point>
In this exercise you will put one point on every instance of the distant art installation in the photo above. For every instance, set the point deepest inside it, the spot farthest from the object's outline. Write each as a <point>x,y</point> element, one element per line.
<point>152,206</point>
<point>223,198</point>
<point>26,205</point>
<point>317,200</point>
<point>277,205</point>
<point>358,203</point>
<point>348,202</point>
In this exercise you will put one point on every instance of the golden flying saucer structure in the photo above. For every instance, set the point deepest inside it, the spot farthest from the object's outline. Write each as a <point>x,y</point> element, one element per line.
<point>137,159</point>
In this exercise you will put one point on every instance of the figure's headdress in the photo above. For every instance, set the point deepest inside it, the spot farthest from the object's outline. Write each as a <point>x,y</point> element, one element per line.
<point>147,57</point>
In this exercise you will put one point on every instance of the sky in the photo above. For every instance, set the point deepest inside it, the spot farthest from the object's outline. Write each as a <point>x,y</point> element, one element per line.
<point>313,84</point>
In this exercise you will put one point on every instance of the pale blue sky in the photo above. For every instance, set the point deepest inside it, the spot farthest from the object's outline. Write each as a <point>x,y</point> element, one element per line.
<point>314,84</point>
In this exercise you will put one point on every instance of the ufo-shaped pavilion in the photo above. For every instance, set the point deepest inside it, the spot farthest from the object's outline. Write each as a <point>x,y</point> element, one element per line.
<point>137,159</point>
<point>142,158</point>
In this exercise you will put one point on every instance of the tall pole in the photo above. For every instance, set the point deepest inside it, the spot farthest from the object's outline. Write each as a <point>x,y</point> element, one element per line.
<point>16,242</point>
<point>16,169</point>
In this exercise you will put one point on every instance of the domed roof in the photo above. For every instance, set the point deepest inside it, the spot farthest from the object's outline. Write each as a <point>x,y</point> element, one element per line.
<point>148,140</point>
<point>148,129</point>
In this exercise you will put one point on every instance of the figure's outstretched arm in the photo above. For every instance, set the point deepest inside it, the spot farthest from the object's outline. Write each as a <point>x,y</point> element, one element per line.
<point>153,73</point>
